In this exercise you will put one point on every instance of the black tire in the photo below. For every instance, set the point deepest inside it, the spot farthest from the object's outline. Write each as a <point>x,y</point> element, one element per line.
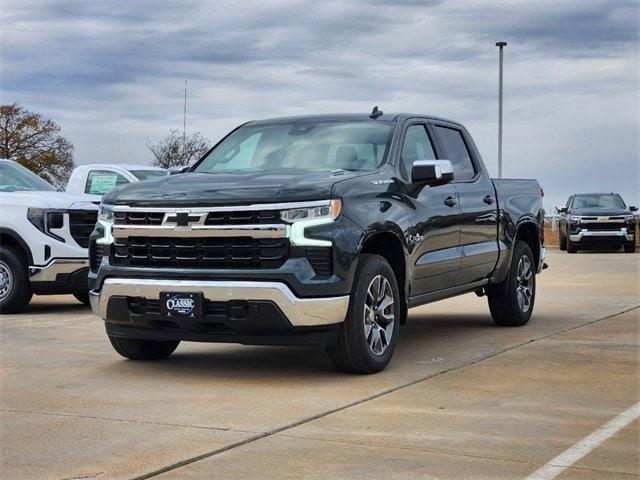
<point>571,247</point>
<point>82,297</point>
<point>143,349</point>
<point>630,247</point>
<point>15,289</point>
<point>563,243</point>
<point>354,350</point>
<point>504,304</point>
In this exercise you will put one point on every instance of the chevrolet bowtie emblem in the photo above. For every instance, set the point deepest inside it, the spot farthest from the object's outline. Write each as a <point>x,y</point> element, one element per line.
<point>182,219</point>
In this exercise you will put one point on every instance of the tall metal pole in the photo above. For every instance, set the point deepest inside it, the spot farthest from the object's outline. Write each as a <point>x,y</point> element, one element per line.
<point>184,120</point>
<point>501,45</point>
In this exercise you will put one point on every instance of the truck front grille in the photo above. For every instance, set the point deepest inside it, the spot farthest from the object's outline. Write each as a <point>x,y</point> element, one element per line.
<point>602,226</point>
<point>203,252</point>
<point>81,223</point>
<point>321,259</point>
<point>96,252</point>
<point>245,217</point>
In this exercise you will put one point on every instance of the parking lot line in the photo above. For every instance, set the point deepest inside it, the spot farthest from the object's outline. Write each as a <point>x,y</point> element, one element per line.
<point>580,449</point>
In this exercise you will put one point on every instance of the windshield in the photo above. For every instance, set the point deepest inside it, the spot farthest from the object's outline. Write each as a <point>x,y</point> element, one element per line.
<point>149,174</point>
<point>14,177</point>
<point>298,147</point>
<point>597,201</point>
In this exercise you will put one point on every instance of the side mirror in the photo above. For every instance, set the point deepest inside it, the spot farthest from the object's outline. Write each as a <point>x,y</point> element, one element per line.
<point>561,209</point>
<point>432,172</point>
<point>633,209</point>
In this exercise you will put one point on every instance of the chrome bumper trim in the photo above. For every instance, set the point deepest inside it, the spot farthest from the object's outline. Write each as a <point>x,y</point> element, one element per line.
<point>301,312</point>
<point>618,234</point>
<point>254,231</point>
<point>50,272</point>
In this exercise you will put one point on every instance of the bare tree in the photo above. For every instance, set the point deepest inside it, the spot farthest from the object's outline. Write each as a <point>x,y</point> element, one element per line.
<point>174,150</point>
<point>35,142</point>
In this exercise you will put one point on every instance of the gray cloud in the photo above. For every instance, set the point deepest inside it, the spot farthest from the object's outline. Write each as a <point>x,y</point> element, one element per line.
<point>111,73</point>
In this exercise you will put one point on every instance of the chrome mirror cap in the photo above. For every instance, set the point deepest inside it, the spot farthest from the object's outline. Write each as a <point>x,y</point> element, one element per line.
<point>433,172</point>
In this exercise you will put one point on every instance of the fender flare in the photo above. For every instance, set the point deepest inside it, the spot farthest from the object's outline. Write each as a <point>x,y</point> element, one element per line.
<point>18,239</point>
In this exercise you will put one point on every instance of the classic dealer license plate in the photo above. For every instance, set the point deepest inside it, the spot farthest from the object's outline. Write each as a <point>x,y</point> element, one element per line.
<point>181,304</point>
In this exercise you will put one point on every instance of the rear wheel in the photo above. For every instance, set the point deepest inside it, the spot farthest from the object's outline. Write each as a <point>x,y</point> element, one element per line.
<point>15,290</point>
<point>136,349</point>
<point>511,303</point>
<point>369,333</point>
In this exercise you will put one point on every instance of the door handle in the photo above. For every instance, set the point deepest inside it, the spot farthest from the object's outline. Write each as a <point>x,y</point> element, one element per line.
<point>488,199</point>
<point>450,201</point>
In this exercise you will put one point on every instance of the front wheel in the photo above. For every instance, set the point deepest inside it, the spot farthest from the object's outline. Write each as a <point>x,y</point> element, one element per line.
<point>563,242</point>
<point>571,247</point>
<point>511,303</point>
<point>630,247</point>
<point>369,333</point>
<point>82,297</point>
<point>136,349</point>
<point>15,290</point>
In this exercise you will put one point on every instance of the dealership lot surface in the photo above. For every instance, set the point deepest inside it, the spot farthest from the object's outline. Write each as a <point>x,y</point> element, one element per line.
<point>462,398</point>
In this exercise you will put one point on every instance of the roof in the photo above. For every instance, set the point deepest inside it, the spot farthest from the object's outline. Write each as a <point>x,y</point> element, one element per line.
<point>596,193</point>
<point>350,117</point>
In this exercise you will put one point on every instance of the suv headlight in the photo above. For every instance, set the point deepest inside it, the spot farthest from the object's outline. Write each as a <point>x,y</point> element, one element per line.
<point>575,218</point>
<point>330,210</point>
<point>105,213</point>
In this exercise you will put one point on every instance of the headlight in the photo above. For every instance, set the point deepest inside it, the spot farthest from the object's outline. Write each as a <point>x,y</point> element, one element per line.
<point>575,218</point>
<point>105,213</point>
<point>45,220</point>
<point>329,209</point>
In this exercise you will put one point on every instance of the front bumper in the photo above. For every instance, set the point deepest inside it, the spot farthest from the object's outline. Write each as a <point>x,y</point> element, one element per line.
<point>58,266</point>
<point>621,235</point>
<point>299,312</point>
<point>60,276</point>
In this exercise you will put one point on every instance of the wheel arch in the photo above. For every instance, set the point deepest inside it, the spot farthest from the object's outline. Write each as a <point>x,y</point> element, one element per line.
<point>10,238</point>
<point>388,245</point>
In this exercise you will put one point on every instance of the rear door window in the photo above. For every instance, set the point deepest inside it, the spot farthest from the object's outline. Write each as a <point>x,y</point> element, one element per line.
<point>455,150</point>
<point>100,182</point>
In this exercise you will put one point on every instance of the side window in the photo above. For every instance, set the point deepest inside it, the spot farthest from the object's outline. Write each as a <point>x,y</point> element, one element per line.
<point>416,146</point>
<point>456,150</point>
<point>100,182</point>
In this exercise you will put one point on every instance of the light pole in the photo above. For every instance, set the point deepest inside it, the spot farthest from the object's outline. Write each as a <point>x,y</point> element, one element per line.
<point>501,45</point>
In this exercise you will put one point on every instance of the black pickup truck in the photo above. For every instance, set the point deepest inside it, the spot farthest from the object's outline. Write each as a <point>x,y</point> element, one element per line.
<point>591,220</point>
<point>314,230</point>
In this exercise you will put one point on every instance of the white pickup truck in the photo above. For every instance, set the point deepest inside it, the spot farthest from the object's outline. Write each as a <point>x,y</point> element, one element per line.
<point>44,236</point>
<point>98,179</point>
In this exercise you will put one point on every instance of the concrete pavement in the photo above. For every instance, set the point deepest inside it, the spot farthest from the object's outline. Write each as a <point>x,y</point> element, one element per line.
<point>462,398</point>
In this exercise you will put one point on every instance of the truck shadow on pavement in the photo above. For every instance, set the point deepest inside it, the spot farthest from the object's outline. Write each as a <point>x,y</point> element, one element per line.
<point>423,338</point>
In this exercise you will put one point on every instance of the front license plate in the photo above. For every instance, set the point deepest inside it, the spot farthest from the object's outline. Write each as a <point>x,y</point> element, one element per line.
<point>181,304</point>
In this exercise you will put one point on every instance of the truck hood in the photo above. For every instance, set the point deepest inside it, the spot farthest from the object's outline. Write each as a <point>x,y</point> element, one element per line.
<point>228,188</point>
<point>600,212</point>
<point>49,199</point>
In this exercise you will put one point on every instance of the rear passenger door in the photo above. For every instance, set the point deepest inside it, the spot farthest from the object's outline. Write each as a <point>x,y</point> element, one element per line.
<point>478,206</point>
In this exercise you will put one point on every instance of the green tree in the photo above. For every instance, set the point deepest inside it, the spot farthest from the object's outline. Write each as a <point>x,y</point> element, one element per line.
<point>174,150</point>
<point>35,142</point>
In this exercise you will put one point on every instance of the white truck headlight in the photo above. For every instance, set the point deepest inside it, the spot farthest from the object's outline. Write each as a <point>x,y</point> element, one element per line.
<point>329,210</point>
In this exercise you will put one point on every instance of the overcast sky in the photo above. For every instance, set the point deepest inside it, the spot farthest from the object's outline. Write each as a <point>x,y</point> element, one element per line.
<point>111,73</point>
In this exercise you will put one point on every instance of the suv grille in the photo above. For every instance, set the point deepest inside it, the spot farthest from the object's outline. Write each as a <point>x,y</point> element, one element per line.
<point>81,223</point>
<point>205,252</point>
